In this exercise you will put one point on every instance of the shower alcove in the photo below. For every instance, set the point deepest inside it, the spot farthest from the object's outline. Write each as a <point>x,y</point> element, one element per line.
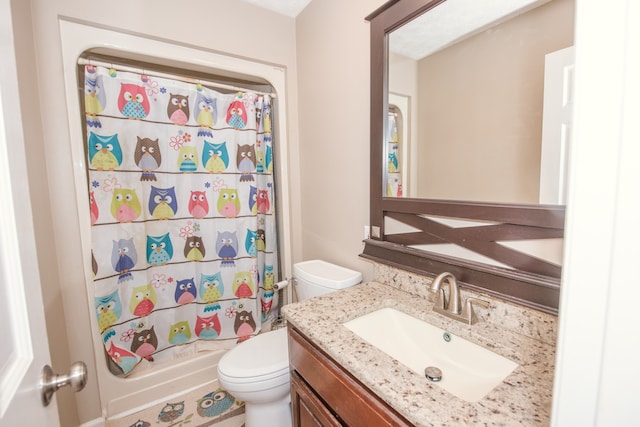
<point>120,395</point>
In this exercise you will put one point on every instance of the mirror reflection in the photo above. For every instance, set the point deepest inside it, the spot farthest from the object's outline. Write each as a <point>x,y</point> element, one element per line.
<point>479,102</point>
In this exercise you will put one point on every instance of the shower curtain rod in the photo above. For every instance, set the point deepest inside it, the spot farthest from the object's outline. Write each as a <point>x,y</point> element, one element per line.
<point>120,67</point>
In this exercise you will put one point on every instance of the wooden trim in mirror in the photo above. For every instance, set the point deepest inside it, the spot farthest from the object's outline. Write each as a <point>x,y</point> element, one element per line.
<point>530,281</point>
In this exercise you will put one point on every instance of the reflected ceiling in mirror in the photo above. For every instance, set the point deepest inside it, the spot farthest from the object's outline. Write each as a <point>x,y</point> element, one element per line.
<point>451,22</point>
<point>474,76</point>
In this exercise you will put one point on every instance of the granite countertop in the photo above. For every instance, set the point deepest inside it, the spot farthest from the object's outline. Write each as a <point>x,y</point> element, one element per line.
<point>524,397</point>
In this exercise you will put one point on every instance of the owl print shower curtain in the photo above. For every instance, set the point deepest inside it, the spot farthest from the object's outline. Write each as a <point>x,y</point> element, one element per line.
<point>182,216</point>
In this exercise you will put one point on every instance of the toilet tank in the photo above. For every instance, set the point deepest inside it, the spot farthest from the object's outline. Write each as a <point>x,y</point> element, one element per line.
<point>317,277</point>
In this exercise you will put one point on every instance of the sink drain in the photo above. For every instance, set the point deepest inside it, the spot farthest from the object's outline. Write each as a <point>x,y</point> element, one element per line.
<point>433,374</point>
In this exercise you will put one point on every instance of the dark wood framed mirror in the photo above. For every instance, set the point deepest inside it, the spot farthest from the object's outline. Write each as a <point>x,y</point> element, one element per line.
<point>402,227</point>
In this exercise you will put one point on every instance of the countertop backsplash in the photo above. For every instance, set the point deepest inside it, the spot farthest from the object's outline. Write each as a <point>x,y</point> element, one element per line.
<point>513,317</point>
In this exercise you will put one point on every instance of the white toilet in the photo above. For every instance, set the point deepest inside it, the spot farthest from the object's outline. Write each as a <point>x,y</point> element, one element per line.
<point>257,371</point>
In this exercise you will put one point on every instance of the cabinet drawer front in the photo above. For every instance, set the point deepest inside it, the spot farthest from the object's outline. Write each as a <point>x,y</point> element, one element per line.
<point>308,409</point>
<point>351,401</point>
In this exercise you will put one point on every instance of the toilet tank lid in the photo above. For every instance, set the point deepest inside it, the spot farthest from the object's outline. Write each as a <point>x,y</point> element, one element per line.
<point>326,274</point>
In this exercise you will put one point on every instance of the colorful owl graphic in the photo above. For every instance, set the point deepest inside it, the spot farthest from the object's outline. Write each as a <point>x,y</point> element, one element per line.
<point>108,309</point>
<point>260,159</point>
<point>266,301</point>
<point>125,360</point>
<point>392,164</point>
<point>214,403</point>
<point>243,285</point>
<point>194,248</point>
<point>188,159</point>
<point>94,264</point>
<point>133,102</point>
<point>215,157</point>
<point>208,328</point>
<point>123,258</point>
<point>93,208</point>
<point>205,113</point>
<point>269,278</point>
<point>95,98</point>
<point>105,152</point>
<point>163,203</point>
<point>261,243</point>
<point>185,291</point>
<point>143,300</point>
<point>211,289</point>
<point>145,343</point>
<point>246,162</point>
<point>178,109</point>
<point>198,204</point>
<point>94,95</point>
<point>147,157</point>
<point>244,325</point>
<point>250,242</point>
<point>228,202</point>
<point>266,118</point>
<point>171,411</point>
<point>125,206</point>
<point>263,201</point>
<point>237,113</point>
<point>253,199</point>
<point>269,159</point>
<point>180,333</point>
<point>159,250</point>
<point>227,247</point>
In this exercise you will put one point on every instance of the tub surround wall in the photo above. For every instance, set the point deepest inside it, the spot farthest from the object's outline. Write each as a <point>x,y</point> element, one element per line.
<point>522,335</point>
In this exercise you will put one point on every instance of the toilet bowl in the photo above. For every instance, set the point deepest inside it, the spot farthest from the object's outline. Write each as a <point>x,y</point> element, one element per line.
<point>258,374</point>
<point>257,370</point>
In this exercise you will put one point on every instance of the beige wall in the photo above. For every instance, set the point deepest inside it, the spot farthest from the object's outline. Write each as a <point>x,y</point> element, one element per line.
<point>403,81</point>
<point>333,74</point>
<point>326,55</point>
<point>225,26</point>
<point>480,106</point>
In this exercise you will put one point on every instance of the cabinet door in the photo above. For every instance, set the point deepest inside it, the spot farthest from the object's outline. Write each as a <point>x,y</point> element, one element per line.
<point>308,410</point>
<point>333,387</point>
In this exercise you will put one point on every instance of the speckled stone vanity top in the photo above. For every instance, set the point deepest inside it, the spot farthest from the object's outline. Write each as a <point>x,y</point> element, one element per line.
<point>524,398</point>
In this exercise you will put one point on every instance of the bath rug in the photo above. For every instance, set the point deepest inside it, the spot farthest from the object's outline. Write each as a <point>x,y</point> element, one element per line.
<point>205,406</point>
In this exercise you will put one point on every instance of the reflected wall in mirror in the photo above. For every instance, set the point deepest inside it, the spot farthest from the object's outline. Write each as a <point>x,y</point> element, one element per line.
<point>427,228</point>
<point>476,73</point>
<point>398,161</point>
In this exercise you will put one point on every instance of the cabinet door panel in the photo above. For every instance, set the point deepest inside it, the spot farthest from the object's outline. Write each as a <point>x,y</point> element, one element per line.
<point>308,410</point>
<point>350,400</point>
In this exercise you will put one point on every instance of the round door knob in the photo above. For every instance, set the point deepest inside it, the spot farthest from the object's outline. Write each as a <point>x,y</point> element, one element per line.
<point>51,382</point>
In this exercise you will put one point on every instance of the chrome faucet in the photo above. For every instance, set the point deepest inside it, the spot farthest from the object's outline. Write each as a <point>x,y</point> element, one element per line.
<point>452,307</point>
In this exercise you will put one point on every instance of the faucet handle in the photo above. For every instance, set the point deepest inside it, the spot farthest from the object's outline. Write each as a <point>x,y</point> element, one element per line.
<point>468,312</point>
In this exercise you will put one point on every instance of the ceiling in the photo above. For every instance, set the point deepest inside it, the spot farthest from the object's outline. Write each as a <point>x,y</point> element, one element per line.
<point>284,7</point>
<point>451,22</point>
<point>448,23</point>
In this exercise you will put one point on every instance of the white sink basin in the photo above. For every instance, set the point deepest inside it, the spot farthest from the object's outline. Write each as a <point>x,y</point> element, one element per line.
<point>469,371</point>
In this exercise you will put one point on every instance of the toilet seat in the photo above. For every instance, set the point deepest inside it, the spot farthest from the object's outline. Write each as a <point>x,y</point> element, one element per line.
<point>263,358</point>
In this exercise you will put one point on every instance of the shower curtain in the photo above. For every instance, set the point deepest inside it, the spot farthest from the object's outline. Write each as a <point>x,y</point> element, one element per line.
<point>394,175</point>
<point>182,215</point>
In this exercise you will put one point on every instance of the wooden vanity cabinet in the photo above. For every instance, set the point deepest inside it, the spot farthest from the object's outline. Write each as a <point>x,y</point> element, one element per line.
<point>324,394</point>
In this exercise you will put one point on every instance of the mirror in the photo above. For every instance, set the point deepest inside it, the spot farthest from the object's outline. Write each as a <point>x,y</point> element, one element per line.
<point>475,72</point>
<point>491,240</point>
